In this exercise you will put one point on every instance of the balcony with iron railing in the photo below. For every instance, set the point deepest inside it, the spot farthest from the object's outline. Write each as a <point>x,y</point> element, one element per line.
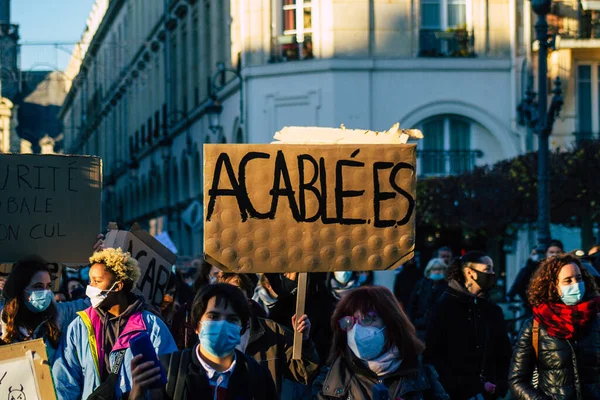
<point>457,42</point>
<point>576,23</point>
<point>446,162</point>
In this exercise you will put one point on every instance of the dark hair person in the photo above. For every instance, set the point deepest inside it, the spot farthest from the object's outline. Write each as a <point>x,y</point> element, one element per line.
<point>271,344</point>
<point>87,364</point>
<point>466,338</point>
<point>30,311</point>
<point>375,348</point>
<point>213,369</point>
<point>565,303</point>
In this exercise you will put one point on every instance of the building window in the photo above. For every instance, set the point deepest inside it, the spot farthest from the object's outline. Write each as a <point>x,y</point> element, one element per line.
<point>588,102</point>
<point>446,146</point>
<point>184,68</point>
<point>174,78</point>
<point>196,56</point>
<point>445,28</point>
<point>292,30</point>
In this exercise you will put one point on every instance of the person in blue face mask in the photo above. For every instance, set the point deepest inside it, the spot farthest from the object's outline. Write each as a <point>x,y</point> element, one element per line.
<point>30,311</point>
<point>375,352</point>
<point>426,294</point>
<point>213,369</point>
<point>562,340</point>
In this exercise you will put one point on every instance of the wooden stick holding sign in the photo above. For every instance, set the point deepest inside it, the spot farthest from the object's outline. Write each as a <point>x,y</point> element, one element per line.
<point>300,303</point>
<point>316,200</point>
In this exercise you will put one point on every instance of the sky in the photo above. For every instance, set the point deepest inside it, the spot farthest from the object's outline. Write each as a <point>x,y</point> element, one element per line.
<point>43,24</point>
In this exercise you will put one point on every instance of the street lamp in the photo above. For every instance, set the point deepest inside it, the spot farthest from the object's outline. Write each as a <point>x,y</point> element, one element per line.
<point>214,117</point>
<point>217,84</point>
<point>541,119</point>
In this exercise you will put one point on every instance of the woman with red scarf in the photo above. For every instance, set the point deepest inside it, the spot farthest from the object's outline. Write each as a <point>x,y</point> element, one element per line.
<point>558,352</point>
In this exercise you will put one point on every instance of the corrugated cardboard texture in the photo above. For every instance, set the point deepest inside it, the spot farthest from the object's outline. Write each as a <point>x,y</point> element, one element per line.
<point>49,206</point>
<point>309,208</point>
<point>155,260</point>
<point>40,363</point>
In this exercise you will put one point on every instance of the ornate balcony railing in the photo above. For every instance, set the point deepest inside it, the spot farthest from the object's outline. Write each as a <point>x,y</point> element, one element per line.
<point>450,43</point>
<point>575,19</point>
<point>446,162</point>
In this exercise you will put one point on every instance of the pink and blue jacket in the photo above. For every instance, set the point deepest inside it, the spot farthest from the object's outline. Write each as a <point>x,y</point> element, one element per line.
<point>80,357</point>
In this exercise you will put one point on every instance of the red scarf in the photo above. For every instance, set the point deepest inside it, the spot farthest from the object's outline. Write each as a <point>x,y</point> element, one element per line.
<point>566,322</point>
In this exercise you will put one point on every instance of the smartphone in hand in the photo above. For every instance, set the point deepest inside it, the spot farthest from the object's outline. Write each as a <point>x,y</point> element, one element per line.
<point>142,344</point>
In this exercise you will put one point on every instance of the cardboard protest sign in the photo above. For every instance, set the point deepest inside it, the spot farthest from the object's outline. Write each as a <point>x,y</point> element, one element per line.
<point>25,372</point>
<point>309,207</point>
<point>49,206</point>
<point>154,258</point>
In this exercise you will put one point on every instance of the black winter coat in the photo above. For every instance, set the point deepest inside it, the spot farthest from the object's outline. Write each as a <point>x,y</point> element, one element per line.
<point>187,379</point>
<point>319,308</point>
<point>567,369</point>
<point>422,302</point>
<point>350,379</point>
<point>467,344</point>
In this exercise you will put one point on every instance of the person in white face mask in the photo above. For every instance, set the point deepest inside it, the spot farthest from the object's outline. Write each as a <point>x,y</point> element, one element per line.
<point>562,340</point>
<point>94,357</point>
<point>375,351</point>
<point>342,282</point>
<point>30,311</point>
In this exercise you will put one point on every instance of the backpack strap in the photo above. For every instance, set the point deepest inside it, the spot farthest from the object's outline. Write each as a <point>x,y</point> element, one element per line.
<point>535,336</point>
<point>177,371</point>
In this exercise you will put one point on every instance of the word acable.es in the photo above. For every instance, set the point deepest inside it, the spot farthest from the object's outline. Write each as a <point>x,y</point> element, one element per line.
<point>325,188</point>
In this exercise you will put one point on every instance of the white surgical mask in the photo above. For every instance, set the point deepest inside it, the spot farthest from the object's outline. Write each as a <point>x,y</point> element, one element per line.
<point>97,296</point>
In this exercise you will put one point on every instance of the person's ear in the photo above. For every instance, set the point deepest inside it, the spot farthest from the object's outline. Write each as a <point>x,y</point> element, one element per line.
<point>119,287</point>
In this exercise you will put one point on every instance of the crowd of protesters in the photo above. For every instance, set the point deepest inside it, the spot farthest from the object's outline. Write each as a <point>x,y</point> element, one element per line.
<point>219,335</point>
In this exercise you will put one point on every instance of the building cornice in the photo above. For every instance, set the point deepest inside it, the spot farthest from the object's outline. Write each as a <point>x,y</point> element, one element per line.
<point>396,64</point>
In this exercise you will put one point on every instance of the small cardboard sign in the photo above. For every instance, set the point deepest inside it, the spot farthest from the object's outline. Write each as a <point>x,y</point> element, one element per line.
<point>49,206</point>
<point>25,372</point>
<point>154,258</point>
<point>309,208</point>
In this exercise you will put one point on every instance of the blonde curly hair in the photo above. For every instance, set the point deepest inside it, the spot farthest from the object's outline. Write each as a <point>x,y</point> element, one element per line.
<point>120,263</point>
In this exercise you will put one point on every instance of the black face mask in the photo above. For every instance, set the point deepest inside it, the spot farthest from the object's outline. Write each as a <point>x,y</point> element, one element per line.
<point>485,281</point>
<point>288,287</point>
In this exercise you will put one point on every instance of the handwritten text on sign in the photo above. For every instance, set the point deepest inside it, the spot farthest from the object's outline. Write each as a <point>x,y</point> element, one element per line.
<point>276,208</point>
<point>49,205</point>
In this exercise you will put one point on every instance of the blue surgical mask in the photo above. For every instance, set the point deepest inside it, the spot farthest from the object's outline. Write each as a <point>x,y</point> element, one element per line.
<point>343,277</point>
<point>219,338</point>
<point>39,300</point>
<point>572,294</point>
<point>436,277</point>
<point>366,342</point>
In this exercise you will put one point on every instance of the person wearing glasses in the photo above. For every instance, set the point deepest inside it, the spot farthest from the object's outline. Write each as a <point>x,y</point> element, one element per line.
<point>213,369</point>
<point>30,311</point>
<point>375,352</point>
<point>466,338</point>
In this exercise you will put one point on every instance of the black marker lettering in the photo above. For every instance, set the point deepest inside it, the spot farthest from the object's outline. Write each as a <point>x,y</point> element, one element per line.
<point>340,193</point>
<point>310,186</point>
<point>214,192</point>
<point>21,175</point>
<point>407,196</point>
<point>242,182</point>
<point>71,169</point>
<point>323,175</point>
<point>379,196</point>
<point>281,171</point>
